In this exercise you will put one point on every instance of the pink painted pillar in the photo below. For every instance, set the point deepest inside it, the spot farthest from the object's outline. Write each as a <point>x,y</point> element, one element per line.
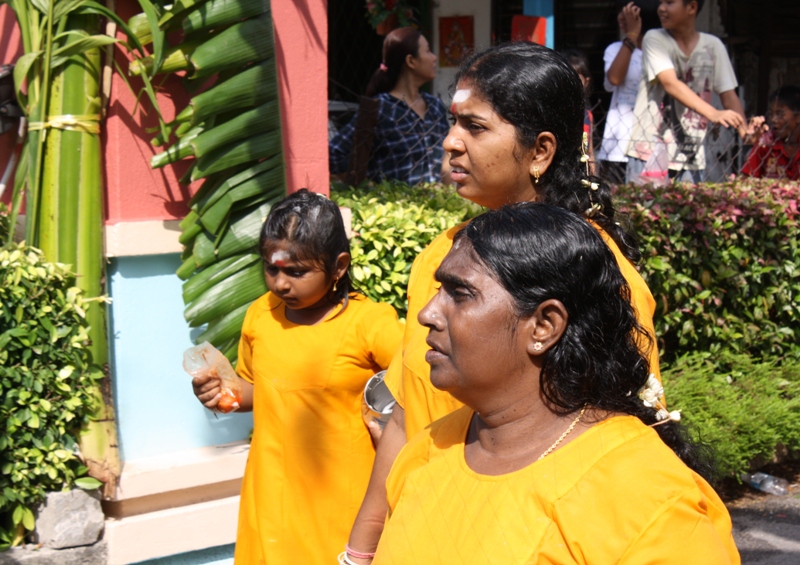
<point>10,50</point>
<point>301,46</point>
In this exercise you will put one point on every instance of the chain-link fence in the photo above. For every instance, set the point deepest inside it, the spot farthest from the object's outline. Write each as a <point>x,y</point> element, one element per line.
<point>708,153</point>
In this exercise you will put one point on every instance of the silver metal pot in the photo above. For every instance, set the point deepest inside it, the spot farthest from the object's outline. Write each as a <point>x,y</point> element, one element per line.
<point>377,403</point>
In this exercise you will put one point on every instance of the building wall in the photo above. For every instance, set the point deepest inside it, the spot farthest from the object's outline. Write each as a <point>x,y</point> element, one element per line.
<point>182,466</point>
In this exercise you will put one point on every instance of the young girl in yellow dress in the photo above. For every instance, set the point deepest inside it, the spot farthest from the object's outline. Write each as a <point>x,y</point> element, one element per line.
<point>307,349</point>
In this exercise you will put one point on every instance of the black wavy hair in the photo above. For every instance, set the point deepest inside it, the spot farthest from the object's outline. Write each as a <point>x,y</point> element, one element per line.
<point>536,90</point>
<point>538,252</point>
<point>313,225</point>
<point>398,44</point>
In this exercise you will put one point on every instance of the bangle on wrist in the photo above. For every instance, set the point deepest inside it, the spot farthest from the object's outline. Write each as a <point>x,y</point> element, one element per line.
<point>358,554</point>
<point>629,44</point>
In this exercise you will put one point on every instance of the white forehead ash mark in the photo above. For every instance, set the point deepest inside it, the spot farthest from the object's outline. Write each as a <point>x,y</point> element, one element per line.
<point>279,256</point>
<point>461,95</point>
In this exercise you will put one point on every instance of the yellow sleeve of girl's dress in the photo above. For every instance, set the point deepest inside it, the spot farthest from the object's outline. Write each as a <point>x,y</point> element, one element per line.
<point>384,334</point>
<point>244,365</point>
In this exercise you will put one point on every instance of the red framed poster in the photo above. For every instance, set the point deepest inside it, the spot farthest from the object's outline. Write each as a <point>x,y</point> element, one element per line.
<point>456,39</point>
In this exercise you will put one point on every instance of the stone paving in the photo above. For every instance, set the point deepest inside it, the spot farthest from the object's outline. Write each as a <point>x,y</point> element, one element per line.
<point>767,527</point>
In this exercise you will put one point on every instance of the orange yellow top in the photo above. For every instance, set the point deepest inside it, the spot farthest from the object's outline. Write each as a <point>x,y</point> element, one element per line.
<point>408,377</point>
<point>614,494</point>
<point>311,454</point>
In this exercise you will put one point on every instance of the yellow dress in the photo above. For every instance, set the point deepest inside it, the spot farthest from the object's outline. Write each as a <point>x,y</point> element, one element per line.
<point>615,494</point>
<point>311,454</point>
<point>408,377</point>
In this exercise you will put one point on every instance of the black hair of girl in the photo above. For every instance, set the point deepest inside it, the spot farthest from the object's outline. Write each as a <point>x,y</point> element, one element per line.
<point>399,44</point>
<point>580,64</point>
<point>787,95</point>
<point>536,90</point>
<point>313,225</point>
<point>538,252</point>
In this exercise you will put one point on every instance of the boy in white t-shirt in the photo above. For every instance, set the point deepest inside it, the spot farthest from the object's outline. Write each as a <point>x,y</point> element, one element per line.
<point>681,67</point>
<point>623,69</point>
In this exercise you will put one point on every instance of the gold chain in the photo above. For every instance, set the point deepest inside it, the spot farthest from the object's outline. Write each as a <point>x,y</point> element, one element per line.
<point>565,434</point>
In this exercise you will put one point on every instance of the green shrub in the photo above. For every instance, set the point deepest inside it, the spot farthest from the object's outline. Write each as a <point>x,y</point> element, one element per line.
<point>45,380</point>
<point>723,263</point>
<point>743,408</point>
<point>392,223</point>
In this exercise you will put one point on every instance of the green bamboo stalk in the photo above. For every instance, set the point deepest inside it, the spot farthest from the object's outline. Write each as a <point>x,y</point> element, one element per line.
<point>99,441</point>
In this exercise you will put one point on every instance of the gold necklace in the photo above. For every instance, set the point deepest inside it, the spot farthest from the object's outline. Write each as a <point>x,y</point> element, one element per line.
<point>565,434</point>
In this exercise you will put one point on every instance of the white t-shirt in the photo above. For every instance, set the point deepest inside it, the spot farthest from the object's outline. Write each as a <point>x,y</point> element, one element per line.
<point>619,120</point>
<point>708,68</point>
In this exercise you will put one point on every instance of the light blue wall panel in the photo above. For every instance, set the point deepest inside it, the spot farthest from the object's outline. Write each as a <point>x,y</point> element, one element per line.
<point>156,410</point>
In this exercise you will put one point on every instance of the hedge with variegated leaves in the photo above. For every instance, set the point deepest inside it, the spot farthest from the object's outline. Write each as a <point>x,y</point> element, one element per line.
<point>723,262</point>
<point>45,380</point>
<point>392,223</point>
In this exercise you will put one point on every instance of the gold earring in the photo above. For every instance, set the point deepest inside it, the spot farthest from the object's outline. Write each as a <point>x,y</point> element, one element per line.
<point>334,284</point>
<point>536,174</point>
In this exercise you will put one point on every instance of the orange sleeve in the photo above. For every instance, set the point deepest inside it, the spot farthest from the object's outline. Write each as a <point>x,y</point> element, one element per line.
<point>384,334</point>
<point>244,365</point>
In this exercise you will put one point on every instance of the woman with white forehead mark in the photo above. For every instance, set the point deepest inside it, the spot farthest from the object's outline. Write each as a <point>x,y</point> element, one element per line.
<point>517,136</point>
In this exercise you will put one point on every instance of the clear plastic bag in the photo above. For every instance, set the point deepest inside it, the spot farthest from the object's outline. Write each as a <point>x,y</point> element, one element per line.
<point>656,169</point>
<point>205,359</point>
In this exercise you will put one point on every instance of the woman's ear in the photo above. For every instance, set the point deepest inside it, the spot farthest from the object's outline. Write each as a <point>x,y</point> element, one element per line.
<point>546,326</point>
<point>342,264</point>
<point>542,153</point>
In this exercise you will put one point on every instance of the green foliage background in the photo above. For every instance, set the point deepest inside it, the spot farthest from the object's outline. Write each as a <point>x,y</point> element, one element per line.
<point>392,223</point>
<point>45,384</point>
<point>722,262</point>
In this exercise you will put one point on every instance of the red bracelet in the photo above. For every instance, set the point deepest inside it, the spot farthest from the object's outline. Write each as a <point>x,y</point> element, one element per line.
<point>357,554</point>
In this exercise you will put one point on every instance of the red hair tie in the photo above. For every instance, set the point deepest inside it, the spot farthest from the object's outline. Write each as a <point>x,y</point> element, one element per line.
<point>384,68</point>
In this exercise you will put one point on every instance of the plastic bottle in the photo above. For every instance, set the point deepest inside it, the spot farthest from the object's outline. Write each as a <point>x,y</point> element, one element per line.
<point>767,483</point>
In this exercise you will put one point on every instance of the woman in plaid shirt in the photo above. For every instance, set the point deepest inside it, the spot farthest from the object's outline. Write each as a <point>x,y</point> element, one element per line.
<point>406,141</point>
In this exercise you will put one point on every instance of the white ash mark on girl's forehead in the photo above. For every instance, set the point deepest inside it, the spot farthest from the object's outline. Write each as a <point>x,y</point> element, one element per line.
<point>280,256</point>
<point>461,95</point>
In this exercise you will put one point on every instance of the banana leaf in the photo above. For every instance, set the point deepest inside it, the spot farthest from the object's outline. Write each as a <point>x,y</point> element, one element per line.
<point>262,119</point>
<point>240,237</point>
<point>227,327</point>
<point>268,186</point>
<point>203,203</point>
<point>247,42</point>
<point>251,149</point>
<point>215,273</point>
<point>238,289</point>
<point>251,87</point>
<point>216,13</point>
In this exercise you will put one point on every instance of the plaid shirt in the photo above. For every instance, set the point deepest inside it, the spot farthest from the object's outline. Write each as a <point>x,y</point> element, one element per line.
<point>405,147</point>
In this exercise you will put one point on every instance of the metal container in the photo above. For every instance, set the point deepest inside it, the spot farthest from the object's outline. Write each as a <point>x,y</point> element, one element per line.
<point>377,403</point>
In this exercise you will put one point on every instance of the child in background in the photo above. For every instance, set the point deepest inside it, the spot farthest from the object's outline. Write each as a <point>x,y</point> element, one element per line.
<point>307,349</point>
<point>775,154</point>
<point>681,67</point>
<point>578,61</point>
<point>623,70</point>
